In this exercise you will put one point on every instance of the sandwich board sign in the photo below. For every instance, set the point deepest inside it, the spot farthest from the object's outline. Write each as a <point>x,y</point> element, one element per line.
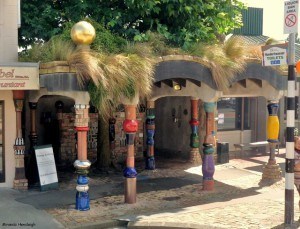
<point>274,55</point>
<point>46,167</point>
<point>290,17</point>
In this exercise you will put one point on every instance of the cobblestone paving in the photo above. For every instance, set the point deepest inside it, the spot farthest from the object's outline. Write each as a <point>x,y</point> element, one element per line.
<point>263,214</point>
<point>234,210</point>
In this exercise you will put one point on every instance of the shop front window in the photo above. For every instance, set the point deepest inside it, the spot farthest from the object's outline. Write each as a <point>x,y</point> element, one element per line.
<point>2,170</point>
<point>233,114</point>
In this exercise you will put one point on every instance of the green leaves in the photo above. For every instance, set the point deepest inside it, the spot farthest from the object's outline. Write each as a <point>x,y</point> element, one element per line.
<point>181,22</point>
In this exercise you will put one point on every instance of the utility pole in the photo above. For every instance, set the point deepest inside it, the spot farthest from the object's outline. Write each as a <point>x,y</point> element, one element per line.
<point>290,126</point>
<point>290,27</point>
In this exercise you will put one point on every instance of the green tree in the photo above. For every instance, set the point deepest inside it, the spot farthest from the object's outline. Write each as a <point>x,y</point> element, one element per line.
<point>181,22</point>
<point>177,22</point>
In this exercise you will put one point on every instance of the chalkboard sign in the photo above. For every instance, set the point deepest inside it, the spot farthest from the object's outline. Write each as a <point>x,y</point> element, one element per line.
<point>46,167</point>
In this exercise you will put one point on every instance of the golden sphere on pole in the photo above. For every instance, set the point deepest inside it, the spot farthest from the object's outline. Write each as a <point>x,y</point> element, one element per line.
<point>83,33</point>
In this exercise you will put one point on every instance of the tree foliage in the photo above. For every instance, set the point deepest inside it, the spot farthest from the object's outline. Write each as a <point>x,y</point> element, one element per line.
<point>181,22</point>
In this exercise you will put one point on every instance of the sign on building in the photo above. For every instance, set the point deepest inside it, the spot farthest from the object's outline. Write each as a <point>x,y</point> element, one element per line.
<point>274,55</point>
<point>19,76</point>
<point>290,17</point>
<point>46,167</point>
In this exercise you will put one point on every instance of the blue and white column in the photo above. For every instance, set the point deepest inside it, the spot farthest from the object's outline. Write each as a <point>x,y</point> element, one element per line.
<point>150,131</point>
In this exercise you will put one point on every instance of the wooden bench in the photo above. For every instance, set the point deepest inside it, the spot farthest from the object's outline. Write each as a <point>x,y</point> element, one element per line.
<point>255,145</point>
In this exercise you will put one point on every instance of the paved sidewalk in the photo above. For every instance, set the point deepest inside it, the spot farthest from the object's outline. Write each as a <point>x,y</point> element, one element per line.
<point>14,214</point>
<point>169,197</point>
<point>254,204</point>
<point>240,200</point>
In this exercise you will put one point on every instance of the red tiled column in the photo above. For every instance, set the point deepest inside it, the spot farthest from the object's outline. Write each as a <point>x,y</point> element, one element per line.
<point>195,157</point>
<point>130,126</point>
<point>82,164</point>
<point>20,181</point>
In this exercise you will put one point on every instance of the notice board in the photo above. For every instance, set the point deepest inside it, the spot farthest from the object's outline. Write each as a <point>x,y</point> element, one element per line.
<point>46,167</point>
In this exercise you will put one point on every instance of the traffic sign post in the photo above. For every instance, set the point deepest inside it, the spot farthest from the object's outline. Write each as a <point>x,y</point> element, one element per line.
<point>290,27</point>
<point>290,16</point>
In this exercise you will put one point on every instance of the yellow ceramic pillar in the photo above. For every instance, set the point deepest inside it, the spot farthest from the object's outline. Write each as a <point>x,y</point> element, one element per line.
<point>271,170</point>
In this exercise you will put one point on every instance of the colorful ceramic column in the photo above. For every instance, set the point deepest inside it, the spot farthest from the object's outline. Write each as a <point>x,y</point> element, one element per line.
<point>20,181</point>
<point>82,164</point>
<point>32,170</point>
<point>59,105</point>
<point>33,135</point>
<point>130,126</point>
<point>195,157</point>
<point>150,131</point>
<point>208,165</point>
<point>271,170</point>
<point>112,133</point>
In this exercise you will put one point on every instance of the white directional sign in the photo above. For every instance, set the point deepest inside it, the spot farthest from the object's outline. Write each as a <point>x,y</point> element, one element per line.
<point>290,17</point>
<point>274,55</point>
<point>46,167</point>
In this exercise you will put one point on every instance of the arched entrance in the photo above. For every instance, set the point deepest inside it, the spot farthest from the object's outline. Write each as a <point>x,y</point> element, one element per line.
<point>172,137</point>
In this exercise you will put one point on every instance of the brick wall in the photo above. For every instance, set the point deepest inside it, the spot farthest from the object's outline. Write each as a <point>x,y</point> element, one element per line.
<point>68,152</point>
<point>92,137</point>
<point>120,151</point>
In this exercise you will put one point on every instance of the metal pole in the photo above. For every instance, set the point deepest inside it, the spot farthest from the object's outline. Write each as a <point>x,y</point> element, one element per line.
<point>290,126</point>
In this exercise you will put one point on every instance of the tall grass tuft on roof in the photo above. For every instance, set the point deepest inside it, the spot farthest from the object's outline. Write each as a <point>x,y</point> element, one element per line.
<point>56,48</point>
<point>86,63</point>
<point>129,72</point>
<point>224,60</point>
<point>128,75</point>
<point>254,52</point>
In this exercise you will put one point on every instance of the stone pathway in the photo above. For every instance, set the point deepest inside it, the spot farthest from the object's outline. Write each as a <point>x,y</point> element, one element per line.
<point>240,200</point>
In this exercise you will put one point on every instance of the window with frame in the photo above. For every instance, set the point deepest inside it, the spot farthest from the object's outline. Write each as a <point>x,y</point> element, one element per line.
<point>233,114</point>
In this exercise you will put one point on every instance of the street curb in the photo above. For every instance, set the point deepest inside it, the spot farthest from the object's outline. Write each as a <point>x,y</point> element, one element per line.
<point>103,224</point>
<point>167,225</point>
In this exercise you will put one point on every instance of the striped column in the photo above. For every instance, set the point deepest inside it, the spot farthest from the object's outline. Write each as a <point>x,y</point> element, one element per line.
<point>82,164</point>
<point>208,165</point>
<point>290,126</point>
<point>272,171</point>
<point>20,181</point>
<point>130,126</point>
<point>150,131</point>
<point>195,157</point>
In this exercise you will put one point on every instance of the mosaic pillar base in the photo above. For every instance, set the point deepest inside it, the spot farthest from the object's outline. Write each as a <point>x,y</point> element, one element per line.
<point>130,190</point>
<point>82,195</point>
<point>195,157</point>
<point>208,185</point>
<point>272,172</point>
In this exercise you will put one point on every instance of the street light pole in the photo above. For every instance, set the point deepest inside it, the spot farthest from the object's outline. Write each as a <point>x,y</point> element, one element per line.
<point>290,126</point>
